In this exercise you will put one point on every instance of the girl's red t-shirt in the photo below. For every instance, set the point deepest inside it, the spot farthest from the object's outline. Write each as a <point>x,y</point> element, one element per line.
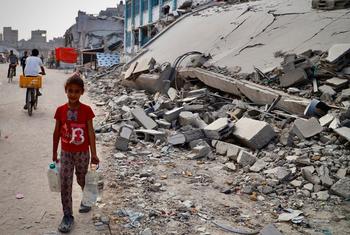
<point>73,127</point>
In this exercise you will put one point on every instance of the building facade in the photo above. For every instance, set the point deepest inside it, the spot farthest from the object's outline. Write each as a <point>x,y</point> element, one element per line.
<point>142,16</point>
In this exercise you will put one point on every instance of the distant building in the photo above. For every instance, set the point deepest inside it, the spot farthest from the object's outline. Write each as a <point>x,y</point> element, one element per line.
<point>38,36</point>
<point>10,36</point>
<point>0,37</point>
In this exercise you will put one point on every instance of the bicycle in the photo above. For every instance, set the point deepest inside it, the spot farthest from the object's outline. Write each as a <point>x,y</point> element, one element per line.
<point>12,73</point>
<point>32,84</point>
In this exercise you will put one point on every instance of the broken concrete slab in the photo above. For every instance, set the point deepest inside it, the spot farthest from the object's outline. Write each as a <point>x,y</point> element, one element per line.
<point>172,93</point>
<point>281,173</point>
<point>334,124</point>
<point>336,51</point>
<point>230,166</point>
<point>163,123</point>
<point>257,93</point>
<point>310,177</point>
<point>189,118</point>
<point>246,159</point>
<point>326,119</point>
<point>323,173</point>
<point>122,143</point>
<point>325,89</point>
<point>177,139</point>
<point>150,135</point>
<point>194,134</point>
<point>255,134</point>
<point>144,65</point>
<point>306,128</point>
<point>173,114</point>
<point>141,117</point>
<point>219,129</point>
<point>148,82</point>
<point>230,150</point>
<point>293,77</point>
<point>128,73</point>
<point>337,83</point>
<point>342,188</point>
<point>258,165</point>
<point>199,149</point>
<point>343,132</point>
<point>320,196</point>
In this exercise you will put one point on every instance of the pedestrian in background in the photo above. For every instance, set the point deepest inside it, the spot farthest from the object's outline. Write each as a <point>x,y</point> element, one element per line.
<point>23,60</point>
<point>74,128</point>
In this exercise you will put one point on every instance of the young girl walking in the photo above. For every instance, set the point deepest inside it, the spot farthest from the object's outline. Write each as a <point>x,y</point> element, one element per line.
<point>74,128</point>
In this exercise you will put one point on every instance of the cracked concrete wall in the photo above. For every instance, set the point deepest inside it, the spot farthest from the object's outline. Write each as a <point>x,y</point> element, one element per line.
<point>248,34</point>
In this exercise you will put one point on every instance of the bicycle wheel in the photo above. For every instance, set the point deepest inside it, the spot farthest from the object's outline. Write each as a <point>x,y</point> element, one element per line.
<point>36,100</point>
<point>30,98</point>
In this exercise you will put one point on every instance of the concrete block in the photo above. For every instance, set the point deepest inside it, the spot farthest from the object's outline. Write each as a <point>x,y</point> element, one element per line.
<point>219,129</point>
<point>326,119</point>
<point>292,77</point>
<point>334,124</point>
<point>230,150</point>
<point>258,165</point>
<point>194,134</point>
<point>126,131</point>
<point>343,132</point>
<point>255,134</point>
<point>246,159</point>
<point>172,93</point>
<point>122,143</point>
<point>230,166</point>
<point>281,173</point>
<point>337,83</point>
<point>177,139</point>
<point>150,135</point>
<point>141,117</point>
<point>186,118</point>
<point>342,188</point>
<point>325,89</point>
<point>306,128</point>
<point>172,114</point>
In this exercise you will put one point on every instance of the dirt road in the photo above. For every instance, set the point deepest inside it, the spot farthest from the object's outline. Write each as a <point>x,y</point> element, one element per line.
<point>25,152</point>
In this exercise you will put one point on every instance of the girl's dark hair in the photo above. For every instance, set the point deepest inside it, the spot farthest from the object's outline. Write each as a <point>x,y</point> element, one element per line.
<point>75,79</point>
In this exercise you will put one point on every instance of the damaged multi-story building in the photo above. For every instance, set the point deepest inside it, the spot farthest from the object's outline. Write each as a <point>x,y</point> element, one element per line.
<point>145,18</point>
<point>104,30</point>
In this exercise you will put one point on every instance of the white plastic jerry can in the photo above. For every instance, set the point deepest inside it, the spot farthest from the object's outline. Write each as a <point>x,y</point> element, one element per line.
<point>90,192</point>
<point>53,175</point>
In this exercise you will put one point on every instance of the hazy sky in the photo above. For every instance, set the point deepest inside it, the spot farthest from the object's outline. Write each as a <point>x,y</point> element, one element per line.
<point>55,16</point>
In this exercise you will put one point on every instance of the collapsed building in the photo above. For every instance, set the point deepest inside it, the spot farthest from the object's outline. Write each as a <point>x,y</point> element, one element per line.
<point>104,30</point>
<point>234,119</point>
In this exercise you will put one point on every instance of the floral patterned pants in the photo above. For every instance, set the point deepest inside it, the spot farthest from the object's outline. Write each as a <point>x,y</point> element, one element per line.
<point>69,161</point>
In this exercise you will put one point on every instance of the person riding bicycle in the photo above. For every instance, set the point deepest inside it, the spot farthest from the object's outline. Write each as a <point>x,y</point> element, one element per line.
<point>13,60</point>
<point>23,60</point>
<point>34,67</point>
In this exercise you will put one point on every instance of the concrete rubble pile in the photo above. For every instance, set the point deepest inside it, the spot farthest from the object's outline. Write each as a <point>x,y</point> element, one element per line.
<point>182,146</point>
